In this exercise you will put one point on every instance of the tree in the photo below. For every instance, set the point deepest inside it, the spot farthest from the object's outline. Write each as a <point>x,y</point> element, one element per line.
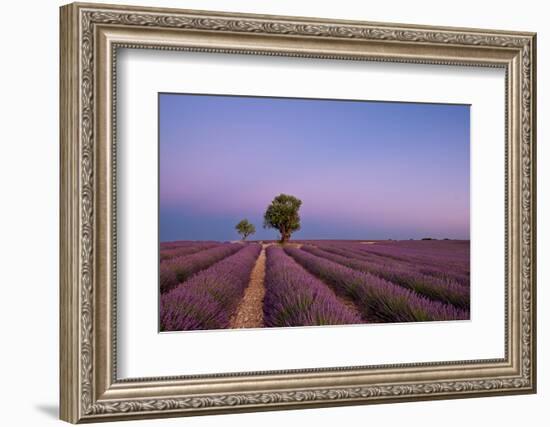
<point>245,229</point>
<point>282,214</point>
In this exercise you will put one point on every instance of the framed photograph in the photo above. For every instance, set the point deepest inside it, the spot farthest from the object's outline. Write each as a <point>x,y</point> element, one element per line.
<point>266,212</point>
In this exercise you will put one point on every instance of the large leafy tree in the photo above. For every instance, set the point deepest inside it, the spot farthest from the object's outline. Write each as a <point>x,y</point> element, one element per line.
<point>282,214</point>
<point>245,228</point>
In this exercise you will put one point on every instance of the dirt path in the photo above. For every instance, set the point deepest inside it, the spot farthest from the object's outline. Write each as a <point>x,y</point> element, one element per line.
<point>250,313</point>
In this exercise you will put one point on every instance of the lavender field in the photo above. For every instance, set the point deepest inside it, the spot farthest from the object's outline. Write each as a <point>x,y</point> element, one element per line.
<point>214,285</point>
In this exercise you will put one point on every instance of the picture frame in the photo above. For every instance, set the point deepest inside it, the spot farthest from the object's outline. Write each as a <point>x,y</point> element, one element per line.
<point>91,35</point>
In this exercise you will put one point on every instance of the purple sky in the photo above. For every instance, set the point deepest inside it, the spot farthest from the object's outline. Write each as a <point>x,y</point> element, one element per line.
<point>363,170</point>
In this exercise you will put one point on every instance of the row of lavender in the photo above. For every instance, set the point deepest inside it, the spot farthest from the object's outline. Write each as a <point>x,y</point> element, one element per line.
<point>443,289</point>
<point>383,289</point>
<point>179,263</point>
<point>296,298</point>
<point>209,298</point>
<point>173,252</point>
<point>378,300</point>
<point>437,257</point>
<point>439,270</point>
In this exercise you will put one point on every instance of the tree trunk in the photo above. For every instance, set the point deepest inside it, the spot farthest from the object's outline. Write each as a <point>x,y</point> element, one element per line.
<point>285,237</point>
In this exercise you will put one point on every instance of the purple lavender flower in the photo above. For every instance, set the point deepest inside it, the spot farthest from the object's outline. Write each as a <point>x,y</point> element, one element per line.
<point>444,290</point>
<point>166,254</point>
<point>179,269</point>
<point>378,299</point>
<point>295,298</point>
<point>209,298</point>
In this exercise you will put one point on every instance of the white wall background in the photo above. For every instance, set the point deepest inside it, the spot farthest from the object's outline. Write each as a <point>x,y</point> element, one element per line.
<point>29,171</point>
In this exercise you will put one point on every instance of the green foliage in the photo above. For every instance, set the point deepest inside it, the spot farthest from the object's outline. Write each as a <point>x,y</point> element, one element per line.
<point>245,228</point>
<point>282,214</point>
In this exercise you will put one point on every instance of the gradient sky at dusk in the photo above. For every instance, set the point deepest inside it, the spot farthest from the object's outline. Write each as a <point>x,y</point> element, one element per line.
<point>364,170</point>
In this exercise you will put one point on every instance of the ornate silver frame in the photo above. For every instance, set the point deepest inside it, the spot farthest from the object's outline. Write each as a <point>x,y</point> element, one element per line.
<point>90,36</point>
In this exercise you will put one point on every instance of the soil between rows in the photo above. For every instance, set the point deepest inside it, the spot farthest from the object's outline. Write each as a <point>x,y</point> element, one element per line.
<point>250,313</point>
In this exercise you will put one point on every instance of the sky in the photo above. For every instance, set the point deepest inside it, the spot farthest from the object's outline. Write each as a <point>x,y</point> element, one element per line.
<point>363,170</point>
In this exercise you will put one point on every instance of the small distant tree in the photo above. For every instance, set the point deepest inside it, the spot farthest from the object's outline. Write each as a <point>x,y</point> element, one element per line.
<point>245,228</point>
<point>282,214</point>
